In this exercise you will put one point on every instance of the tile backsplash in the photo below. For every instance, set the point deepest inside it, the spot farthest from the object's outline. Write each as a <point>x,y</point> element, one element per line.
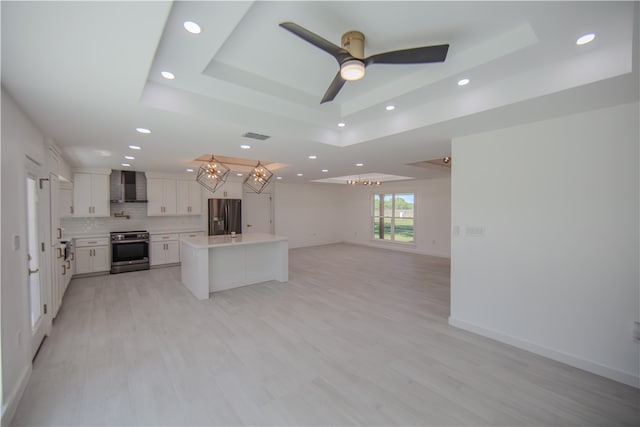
<point>138,220</point>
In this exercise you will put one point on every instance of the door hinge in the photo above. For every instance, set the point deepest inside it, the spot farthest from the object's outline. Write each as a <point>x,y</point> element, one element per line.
<point>42,246</point>
<point>45,309</point>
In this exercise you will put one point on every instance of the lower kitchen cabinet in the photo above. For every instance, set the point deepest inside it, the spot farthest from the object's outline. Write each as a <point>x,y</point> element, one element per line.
<point>92,256</point>
<point>165,249</point>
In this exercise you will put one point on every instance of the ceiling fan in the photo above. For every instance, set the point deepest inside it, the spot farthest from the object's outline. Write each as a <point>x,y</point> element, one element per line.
<point>351,58</point>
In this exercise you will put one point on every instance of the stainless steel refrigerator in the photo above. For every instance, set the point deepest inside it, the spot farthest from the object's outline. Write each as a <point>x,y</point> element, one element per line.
<point>225,216</point>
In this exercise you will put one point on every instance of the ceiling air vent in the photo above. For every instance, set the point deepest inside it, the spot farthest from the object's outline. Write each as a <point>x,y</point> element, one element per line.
<point>257,136</point>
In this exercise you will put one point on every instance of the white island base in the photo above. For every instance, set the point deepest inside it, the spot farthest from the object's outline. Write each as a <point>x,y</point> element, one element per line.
<point>217,263</point>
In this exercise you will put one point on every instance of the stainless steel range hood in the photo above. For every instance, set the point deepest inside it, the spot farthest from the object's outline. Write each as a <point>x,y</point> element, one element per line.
<point>128,186</point>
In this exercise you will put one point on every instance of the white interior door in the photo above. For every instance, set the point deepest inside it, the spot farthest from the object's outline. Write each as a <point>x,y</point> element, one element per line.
<point>35,278</point>
<point>257,213</point>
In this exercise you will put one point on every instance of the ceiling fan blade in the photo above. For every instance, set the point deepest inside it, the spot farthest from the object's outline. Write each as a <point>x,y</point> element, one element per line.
<point>334,88</point>
<point>336,51</point>
<point>417,55</point>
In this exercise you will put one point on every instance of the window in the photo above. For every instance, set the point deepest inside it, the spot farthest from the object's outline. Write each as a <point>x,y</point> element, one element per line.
<point>393,216</point>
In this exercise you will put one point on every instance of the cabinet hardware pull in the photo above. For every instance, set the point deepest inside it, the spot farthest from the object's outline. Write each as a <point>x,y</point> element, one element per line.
<point>59,233</point>
<point>69,264</point>
<point>73,256</point>
<point>92,243</point>
<point>33,271</point>
<point>59,252</point>
<point>64,269</point>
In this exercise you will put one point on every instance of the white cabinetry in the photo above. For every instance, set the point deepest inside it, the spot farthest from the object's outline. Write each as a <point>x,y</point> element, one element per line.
<point>91,194</point>
<point>55,229</point>
<point>161,194</point>
<point>228,190</point>
<point>189,197</point>
<point>66,200</point>
<point>92,255</point>
<point>165,249</point>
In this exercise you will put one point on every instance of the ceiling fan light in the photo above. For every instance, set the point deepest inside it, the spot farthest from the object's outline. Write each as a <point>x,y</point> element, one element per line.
<point>352,70</point>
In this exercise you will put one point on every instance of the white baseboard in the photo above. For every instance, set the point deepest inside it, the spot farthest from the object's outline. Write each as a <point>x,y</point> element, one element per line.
<point>587,365</point>
<point>9,408</point>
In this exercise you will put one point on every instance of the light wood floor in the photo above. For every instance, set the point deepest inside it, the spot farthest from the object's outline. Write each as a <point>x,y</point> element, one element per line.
<point>357,336</point>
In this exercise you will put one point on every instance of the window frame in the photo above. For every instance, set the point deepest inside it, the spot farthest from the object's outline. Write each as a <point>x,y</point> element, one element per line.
<point>373,217</point>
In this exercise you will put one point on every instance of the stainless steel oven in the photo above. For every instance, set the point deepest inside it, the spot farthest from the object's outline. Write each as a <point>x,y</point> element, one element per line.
<point>129,251</point>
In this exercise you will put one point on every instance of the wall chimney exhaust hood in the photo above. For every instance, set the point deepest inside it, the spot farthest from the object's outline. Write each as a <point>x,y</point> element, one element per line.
<point>128,186</point>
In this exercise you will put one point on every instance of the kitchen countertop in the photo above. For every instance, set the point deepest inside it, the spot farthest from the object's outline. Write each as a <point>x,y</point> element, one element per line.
<point>173,230</point>
<point>84,236</point>
<point>202,242</point>
<point>95,235</point>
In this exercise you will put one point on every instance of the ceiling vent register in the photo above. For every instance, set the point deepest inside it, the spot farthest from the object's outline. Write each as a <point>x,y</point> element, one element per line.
<point>257,136</point>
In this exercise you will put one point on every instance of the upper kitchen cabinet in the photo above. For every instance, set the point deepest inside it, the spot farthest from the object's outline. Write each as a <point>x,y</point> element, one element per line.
<point>66,200</point>
<point>229,190</point>
<point>57,165</point>
<point>189,197</point>
<point>91,194</point>
<point>161,194</point>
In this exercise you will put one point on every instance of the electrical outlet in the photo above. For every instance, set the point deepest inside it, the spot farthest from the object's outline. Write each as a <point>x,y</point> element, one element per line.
<point>636,331</point>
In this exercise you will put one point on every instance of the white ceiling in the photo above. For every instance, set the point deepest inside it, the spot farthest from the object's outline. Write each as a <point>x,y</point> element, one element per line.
<point>88,74</point>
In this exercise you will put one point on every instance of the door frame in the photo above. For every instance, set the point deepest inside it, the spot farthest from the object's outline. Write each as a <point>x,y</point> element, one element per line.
<point>33,170</point>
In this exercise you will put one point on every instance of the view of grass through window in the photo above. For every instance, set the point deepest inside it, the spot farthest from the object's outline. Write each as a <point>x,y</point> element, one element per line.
<point>393,216</point>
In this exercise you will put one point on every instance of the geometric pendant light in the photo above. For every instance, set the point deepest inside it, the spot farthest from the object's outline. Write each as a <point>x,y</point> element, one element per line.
<point>213,174</point>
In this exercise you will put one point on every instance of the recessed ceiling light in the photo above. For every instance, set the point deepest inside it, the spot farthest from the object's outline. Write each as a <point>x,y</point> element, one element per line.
<point>325,170</point>
<point>390,107</point>
<point>299,174</point>
<point>278,177</point>
<point>192,27</point>
<point>189,170</point>
<point>585,39</point>
<point>125,164</point>
<point>143,130</point>
<point>135,147</point>
<point>168,75</point>
<point>359,164</point>
<point>313,157</point>
<point>341,125</point>
<point>463,82</point>
<point>129,157</point>
<point>238,174</point>
<point>245,146</point>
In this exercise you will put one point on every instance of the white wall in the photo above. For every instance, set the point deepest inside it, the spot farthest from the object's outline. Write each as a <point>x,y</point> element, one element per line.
<point>432,211</point>
<point>308,214</point>
<point>556,270</point>
<point>20,138</point>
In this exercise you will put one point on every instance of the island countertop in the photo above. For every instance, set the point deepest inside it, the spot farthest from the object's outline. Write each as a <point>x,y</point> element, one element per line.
<point>201,242</point>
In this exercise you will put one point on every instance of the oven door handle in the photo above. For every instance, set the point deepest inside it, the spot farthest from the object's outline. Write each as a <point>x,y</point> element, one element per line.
<point>119,242</point>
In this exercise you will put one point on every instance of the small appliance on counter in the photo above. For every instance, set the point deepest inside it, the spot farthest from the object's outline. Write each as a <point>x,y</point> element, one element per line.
<point>129,251</point>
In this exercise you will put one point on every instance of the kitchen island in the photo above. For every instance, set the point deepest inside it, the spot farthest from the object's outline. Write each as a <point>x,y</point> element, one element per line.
<point>217,263</point>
